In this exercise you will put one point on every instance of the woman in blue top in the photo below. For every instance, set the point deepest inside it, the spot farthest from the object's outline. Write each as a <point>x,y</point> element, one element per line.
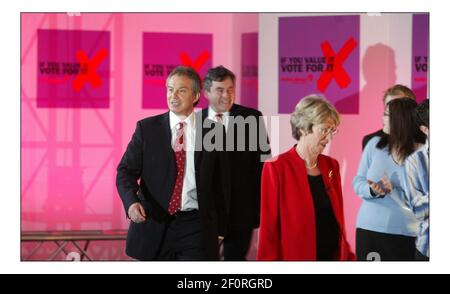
<point>386,226</point>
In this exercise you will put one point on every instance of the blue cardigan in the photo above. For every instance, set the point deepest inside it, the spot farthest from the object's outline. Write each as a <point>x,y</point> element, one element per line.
<point>389,214</point>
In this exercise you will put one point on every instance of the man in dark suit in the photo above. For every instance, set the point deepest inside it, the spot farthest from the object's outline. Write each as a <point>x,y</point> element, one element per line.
<point>173,189</point>
<point>394,92</point>
<point>247,148</point>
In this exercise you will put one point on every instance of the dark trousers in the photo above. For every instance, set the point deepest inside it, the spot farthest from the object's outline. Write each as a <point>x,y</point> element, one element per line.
<point>183,239</point>
<point>373,246</point>
<point>236,243</point>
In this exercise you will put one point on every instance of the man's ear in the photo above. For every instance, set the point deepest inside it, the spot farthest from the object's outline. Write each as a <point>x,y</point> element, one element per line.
<point>197,97</point>
<point>206,93</point>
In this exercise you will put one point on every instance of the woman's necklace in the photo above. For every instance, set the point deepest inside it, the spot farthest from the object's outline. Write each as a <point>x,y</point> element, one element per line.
<point>306,165</point>
<point>311,167</point>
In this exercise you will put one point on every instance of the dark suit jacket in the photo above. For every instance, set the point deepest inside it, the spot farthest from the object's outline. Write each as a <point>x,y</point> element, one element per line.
<point>245,171</point>
<point>150,158</point>
<point>367,138</point>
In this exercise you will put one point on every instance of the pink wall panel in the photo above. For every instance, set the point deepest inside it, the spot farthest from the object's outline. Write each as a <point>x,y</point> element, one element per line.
<point>69,156</point>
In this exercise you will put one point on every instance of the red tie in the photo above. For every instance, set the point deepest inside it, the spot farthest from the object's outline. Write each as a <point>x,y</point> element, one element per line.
<point>180,158</point>
<point>219,118</point>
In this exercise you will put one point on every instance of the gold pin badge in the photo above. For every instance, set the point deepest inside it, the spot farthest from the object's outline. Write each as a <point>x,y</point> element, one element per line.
<point>330,174</point>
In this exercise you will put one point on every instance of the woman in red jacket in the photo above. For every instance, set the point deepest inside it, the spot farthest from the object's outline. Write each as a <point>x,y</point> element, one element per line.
<point>301,194</point>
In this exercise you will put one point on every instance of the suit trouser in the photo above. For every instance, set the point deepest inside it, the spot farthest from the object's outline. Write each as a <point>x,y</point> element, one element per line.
<point>183,239</point>
<point>236,243</point>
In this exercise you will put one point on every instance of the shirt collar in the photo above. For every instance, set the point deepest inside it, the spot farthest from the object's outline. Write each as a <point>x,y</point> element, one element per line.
<point>212,113</point>
<point>174,120</point>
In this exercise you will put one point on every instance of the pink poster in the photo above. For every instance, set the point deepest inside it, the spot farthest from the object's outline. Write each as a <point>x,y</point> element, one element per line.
<point>319,54</point>
<point>73,69</point>
<point>165,51</point>
<point>421,38</point>
<point>249,70</point>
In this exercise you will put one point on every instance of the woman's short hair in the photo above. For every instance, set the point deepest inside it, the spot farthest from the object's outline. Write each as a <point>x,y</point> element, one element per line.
<point>312,110</point>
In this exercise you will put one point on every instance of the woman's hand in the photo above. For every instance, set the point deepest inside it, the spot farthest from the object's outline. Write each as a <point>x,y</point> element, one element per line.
<point>385,187</point>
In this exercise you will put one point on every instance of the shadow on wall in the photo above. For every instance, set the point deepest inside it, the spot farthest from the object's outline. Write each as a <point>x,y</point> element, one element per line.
<point>379,72</point>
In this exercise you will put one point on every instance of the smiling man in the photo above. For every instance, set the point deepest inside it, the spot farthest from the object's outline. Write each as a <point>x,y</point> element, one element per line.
<point>173,189</point>
<point>247,147</point>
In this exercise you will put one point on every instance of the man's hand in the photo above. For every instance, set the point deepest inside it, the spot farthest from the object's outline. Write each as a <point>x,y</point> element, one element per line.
<point>136,212</point>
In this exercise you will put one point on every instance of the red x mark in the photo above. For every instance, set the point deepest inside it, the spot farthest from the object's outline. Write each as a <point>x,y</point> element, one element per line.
<point>91,74</point>
<point>338,72</point>
<point>197,65</point>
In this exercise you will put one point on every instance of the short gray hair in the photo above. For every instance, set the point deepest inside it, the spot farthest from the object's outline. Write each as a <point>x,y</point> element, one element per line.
<point>311,110</point>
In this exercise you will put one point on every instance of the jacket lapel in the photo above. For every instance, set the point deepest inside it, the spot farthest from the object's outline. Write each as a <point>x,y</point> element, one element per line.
<point>205,112</point>
<point>329,176</point>
<point>234,110</point>
<point>199,118</point>
<point>166,133</point>
<point>166,142</point>
<point>165,122</point>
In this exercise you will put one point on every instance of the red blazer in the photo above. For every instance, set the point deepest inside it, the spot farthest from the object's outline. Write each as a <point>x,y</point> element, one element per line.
<point>288,226</point>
